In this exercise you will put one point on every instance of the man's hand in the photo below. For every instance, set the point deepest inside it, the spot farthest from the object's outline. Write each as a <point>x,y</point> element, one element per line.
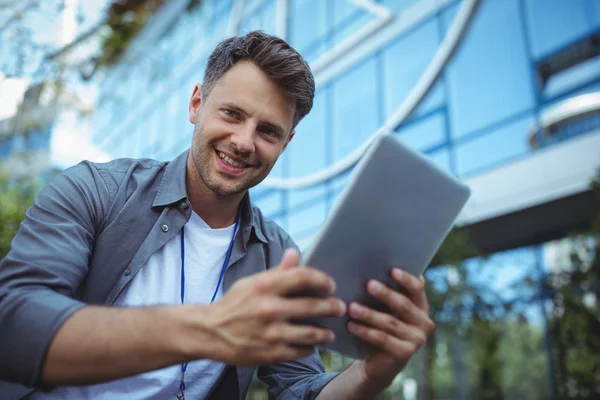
<point>252,325</point>
<point>398,336</point>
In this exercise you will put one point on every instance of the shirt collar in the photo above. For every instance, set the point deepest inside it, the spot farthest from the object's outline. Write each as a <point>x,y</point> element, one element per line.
<point>172,189</point>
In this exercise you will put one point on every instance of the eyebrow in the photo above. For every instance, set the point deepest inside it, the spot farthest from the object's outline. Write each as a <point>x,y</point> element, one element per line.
<point>276,127</point>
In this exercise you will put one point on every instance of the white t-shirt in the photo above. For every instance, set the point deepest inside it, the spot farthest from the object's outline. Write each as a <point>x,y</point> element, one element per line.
<point>158,282</point>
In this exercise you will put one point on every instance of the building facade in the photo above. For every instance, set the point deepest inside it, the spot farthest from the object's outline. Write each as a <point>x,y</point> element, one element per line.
<point>504,94</point>
<point>25,137</point>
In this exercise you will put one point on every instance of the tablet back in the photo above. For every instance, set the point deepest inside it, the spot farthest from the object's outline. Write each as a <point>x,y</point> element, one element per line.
<point>395,211</point>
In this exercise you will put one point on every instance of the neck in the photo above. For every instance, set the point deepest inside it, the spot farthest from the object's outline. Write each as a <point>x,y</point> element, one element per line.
<point>216,210</point>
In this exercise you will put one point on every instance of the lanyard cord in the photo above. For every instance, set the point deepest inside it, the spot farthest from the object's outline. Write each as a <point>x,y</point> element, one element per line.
<point>222,274</point>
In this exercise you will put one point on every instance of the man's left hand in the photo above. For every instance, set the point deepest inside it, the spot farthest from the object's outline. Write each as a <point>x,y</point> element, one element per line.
<point>398,336</point>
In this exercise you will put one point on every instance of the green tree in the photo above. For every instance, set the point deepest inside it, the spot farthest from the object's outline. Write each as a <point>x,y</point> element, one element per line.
<point>15,199</point>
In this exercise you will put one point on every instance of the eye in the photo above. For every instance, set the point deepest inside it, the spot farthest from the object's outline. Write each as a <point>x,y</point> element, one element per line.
<point>230,113</point>
<point>269,132</point>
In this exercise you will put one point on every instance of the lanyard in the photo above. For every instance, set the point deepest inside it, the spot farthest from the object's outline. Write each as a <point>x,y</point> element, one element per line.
<point>223,268</point>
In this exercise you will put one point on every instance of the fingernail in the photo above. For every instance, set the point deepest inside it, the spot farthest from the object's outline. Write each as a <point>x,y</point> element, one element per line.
<point>341,306</point>
<point>331,337</point>
<point>376,287</point>
<point>398,273</point>
<point>356,310</point>
<point>352,327</point>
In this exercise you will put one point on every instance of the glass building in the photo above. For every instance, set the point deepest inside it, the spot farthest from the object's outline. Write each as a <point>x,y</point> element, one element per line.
<point>504,94</point>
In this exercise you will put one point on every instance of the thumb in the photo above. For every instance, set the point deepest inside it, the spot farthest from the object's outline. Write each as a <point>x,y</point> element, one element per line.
<point>290,259</point>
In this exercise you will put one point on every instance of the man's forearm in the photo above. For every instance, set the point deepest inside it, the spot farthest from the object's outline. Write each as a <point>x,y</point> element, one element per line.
<point>98,344</point>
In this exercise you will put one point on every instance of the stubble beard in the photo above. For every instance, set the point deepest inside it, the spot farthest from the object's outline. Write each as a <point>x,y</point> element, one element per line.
<point>203,154</point>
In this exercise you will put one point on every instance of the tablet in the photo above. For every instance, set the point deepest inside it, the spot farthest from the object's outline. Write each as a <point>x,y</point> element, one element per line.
<point>396,210</point>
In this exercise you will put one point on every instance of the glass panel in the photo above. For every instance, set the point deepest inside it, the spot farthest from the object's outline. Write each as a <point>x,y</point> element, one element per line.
<point>355,108</point>
<point>302,196</point>
<point>342,10</point>
<point>404,63</point>
<point>308,219</point>
<point>441,158</point>
<point>271,204</point>
<point>307,23</point>
<point>223,7</point>
<point>502,144</point>
<point>308,149</point>
<point>426,133</point>
<point>489,82</point>
<point>261,19</point>
<point>555,23</point>
<point>572,77</point>
<point>351,19</point>
<point>308,146</point>
<point>397,6</point>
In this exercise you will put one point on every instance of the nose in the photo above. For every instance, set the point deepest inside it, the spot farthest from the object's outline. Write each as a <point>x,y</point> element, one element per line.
<point>243,138</point>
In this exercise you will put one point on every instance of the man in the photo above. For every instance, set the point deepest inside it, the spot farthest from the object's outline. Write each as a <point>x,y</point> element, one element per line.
<point>189,265</point>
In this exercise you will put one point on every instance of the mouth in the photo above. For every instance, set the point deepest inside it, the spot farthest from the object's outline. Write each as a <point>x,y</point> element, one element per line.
<point>230,165</point>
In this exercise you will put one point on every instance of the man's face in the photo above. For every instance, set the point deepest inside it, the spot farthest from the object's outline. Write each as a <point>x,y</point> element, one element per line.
<point>240,129</point>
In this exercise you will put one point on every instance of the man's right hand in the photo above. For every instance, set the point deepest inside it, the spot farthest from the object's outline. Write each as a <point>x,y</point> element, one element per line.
<point>252,323</point>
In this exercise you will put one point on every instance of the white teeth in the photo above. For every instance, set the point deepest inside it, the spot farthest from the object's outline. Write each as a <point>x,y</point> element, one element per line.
<point>230,161</point>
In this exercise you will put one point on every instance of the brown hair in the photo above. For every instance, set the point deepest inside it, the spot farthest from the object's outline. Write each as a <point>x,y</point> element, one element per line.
<point>284,65</point>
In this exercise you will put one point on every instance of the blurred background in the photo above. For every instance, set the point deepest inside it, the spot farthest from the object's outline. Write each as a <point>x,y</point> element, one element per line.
<point>504,94</point>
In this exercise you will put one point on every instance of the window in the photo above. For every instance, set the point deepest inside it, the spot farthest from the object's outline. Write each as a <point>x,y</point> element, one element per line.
<point>308,149</point>
<point>270,204</point>
<point>347,19</point>
<point>300,222</point>
<point>441,158</point>
<point>262,18</point>
<point>425,134</point>
<point>397,6</point>
<point>404,63</point>
<point>490,77</point>
<point>579,74</point>
<point>553,24</point>
<point>489,149</point>
<point>355,108</point>
<point>308,21</point>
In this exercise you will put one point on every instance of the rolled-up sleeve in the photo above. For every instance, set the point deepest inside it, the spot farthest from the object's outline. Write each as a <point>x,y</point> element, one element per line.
<point>300,379</point>
<point>47,262</point>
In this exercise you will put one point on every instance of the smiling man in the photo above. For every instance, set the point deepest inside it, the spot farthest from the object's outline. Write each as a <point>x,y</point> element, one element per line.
<point>151,280</point>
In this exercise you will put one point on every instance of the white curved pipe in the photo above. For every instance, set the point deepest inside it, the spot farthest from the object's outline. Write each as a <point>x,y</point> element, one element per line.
<point>414,98</point>
<point>569,108</point>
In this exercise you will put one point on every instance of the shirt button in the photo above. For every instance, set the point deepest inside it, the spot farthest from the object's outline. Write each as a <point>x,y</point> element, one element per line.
<point>127,272</point>
<point>165,228</point>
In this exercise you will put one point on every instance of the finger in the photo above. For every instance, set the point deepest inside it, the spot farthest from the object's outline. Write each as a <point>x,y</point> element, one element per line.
<point>415,287</point>
<point>303,279</point>
<point>400,349</point>
<point>298,335</point>
<point>387,323</point>
<point>311,307</point>
<point>290,259</point>
<point>400,304</point>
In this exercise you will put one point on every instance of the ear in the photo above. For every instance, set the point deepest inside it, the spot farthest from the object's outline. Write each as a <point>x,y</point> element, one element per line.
<point>195,103</point>
<point>288,140</point>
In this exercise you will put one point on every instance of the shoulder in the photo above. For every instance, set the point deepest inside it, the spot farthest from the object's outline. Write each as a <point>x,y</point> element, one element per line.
<point>122,166</point>
<point>115,173</point>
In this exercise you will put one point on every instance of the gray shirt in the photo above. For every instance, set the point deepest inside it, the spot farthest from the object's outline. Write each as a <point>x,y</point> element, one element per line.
<point>86,236</point>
